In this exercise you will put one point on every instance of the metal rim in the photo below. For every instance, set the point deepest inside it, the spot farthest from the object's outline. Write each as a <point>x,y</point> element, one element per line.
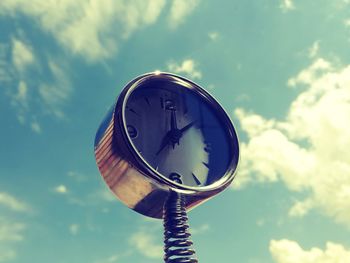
<point>143,164</point>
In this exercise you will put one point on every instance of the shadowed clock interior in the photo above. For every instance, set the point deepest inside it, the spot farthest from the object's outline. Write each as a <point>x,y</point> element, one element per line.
<point>177,130</point>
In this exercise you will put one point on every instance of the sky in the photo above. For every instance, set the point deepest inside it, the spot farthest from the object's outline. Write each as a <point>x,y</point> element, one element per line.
<point>280,68</point>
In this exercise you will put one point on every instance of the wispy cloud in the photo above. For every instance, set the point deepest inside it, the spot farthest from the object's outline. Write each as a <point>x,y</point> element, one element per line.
<point>74,229</point>
<point>347,22</point>
<point>77,176</point>
<point>30,95</point>
<point>287,251</point>
<point>287,5</point>
<point>214,36</point>
<point>55,93</point>
<point>120,257</point>
<point>13,203</point>
<point>308,150</point>
<point>314,49</point>
<point>89,28</point>
<point>200,229</point>
<point>146,244</point>
<point>22,55</point>
<point>6,254</point>
<point>35,126</point>
<point>187,67</point>
<point>179,10</point>
<point>61,189</point>
<point>5,76</point>
<point>110,259</point>
<point>11,231</point>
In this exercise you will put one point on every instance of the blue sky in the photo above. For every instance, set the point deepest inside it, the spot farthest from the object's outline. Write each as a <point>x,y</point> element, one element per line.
<point>280,68</point>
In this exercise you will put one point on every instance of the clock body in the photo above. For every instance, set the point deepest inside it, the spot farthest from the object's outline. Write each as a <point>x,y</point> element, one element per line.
<point>163,124</point>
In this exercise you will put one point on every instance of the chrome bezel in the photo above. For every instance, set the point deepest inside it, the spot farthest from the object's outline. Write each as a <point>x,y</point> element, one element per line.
<point>143,165</point>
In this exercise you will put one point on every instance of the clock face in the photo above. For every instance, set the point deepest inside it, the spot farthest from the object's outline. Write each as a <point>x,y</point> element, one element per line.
<point>176,129</point>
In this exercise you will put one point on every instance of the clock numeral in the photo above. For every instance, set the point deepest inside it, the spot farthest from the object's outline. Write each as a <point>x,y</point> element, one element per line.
<point>169,105</point>
<point>147,101</point>
<point>196,179</point>
<point>132,110</point>
<point>132,131</point>
<point>206,165</point>
<point>207,147</point>
<point>175,177</point>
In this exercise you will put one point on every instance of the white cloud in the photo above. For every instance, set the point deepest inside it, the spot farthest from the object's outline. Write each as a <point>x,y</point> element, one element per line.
<point>13,203</point>
<point>77,176</point>
<point>347,22</point>
<point>54,94</point>
<point>116,257</point>
<point>21,96</point>
<point>89,28</point>
<point>10,231</point>
<point>260,222</point>
<point>22,55</point>
<point>35,127</point>
<point>179,10</point>
<point>312,73</point>
<point>106,195</point>
<point>61,189</point>
<point>287,251</point>
<point>213,36</point>
<point>313,51</point>
<point>7,254</point>
<point>146,245</point>
<point>200,229</point>
<point>187,67</point>
<point>308,151</point>
<point>300,208</point>
<point>4,72</point>
<point>287,5</point>
<point>110,259</point>
<point>74,229</point>
<point>47,92</point>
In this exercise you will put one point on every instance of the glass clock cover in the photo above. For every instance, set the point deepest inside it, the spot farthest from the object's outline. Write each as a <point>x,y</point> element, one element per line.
<point>176,127</point>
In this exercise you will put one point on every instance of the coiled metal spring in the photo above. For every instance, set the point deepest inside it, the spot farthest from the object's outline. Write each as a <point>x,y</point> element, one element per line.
<point>177,245</point>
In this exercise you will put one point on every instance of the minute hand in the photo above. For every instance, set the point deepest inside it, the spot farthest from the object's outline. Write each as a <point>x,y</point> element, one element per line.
<point>188,126</point>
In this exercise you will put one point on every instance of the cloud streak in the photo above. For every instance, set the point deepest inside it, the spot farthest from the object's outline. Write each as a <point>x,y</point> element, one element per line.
<point>22,55</point>
<point>13,203</point>
<point>11,231</point>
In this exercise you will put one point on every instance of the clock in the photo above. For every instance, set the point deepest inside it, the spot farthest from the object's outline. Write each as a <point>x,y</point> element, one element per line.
<point>162,127</point>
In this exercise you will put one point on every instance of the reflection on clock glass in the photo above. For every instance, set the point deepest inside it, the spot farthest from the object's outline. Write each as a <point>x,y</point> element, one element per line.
<point>177,131</point>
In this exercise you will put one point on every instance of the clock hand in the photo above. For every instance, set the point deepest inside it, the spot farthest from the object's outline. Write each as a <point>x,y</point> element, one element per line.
<point>173,124</point>
<point>163,144</point>
<point>187,126</point>
<point>173,135</point>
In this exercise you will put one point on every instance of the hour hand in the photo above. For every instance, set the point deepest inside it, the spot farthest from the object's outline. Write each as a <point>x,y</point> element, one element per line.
<point>173,124</point>
<point>164,143</point>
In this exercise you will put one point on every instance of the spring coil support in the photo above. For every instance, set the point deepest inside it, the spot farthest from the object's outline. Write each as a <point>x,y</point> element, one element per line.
<point>177,245</point>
